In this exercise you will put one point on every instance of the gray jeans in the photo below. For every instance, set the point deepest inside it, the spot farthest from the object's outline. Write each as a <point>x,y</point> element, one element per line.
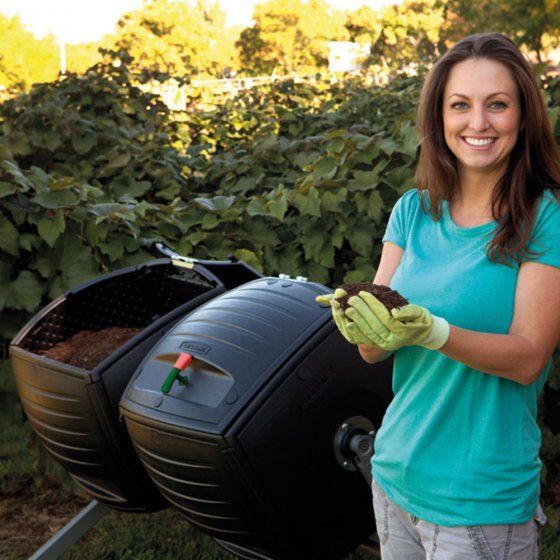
<point>405,537</point>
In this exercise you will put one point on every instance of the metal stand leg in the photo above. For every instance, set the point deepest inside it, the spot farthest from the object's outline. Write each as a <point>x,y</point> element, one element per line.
<point>58,544</point>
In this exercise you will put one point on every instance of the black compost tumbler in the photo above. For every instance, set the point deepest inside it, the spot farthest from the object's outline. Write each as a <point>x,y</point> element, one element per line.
<point>245,443</point>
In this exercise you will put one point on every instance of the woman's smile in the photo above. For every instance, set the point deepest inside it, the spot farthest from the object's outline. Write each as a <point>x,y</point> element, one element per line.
<point>479,142</point>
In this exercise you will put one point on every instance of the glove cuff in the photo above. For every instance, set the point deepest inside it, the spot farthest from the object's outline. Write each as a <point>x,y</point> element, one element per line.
<point>438,335</point>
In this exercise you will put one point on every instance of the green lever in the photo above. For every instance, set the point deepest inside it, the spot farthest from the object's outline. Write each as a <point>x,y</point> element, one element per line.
<point>182,362</point>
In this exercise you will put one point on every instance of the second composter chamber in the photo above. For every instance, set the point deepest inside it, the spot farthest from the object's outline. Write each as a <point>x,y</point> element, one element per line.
<point>248,449</point>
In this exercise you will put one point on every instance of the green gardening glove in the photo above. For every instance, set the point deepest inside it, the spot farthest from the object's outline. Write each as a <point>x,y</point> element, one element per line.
<point>410,325</point>
<point>340,319</point>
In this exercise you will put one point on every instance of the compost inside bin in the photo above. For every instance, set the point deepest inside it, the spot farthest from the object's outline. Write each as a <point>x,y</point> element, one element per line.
<point>87,348</point>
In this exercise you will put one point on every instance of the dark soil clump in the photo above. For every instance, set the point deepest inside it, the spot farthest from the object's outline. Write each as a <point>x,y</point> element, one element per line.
<point>389,298</point>
<point>87,348</point>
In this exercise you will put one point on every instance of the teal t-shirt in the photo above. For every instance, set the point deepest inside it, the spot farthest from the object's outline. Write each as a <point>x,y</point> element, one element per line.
<point>458,446</point>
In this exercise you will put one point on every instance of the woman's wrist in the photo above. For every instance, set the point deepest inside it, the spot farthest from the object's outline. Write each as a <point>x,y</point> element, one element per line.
<point>372,354</point>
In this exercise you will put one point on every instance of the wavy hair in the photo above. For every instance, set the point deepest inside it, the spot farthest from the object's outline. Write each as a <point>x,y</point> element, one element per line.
<point>534,163</point>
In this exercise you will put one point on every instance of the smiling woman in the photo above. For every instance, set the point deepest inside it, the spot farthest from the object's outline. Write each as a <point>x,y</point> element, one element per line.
<point>476,250</point>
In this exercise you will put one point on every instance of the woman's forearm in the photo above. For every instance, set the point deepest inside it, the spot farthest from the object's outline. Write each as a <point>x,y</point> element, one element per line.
<point>511,356</point>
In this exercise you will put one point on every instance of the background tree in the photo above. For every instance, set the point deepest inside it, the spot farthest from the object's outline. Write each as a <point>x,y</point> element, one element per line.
<point>290,36</point>
<point>176,38</point>
<point>19,64</point>
<point>364,25</point>
<point>411,33</point>
<point>26,59</point>
<point>534,25</point>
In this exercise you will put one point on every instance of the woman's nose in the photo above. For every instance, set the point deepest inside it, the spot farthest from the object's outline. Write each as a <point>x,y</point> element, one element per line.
<point>479,119</point>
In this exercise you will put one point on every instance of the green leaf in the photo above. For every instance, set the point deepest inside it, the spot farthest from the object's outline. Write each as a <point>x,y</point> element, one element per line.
<point>51,228</point>
<point>408,139</point>
<point>250,258</point>
<point>6,189</point>
<point>256,207</point>
<point>288,260</point>
<point>278,204</point>
<point>19,144</point>
<point>127,185</point>
<point>245,184</point>
<point>83,143</point>
<point>5,275</point>
<point>360,238</point>
<point>96,232</point>
<point>318,273</point>
<point>105,209</point>
<point>18,175</point>
<point>364,274</point>
<point>373,205</point>
<point>25,292</point>
<point>195,237</point>
<point>364,180</point>
<point>303,160</point>
<point>77,263</point>
<point>217,246</point>
<point>40,179</point>
<point>317,246</point>
<point>400,179</point>
<point>216,203</point>
<point>8,237</point>
<point>141,209</point>
<point>29,242</point>
<point>325,169</point>
<point>52,141</point>
<point>116,162</point>
<point>308,204</point>
<point>58,184</point>
<point>170,191</point>
<point>338,236</point>
<point>388,145</point>
<point>114,249</point>
<point>56,199</point>
<point>335,146</point>
<point>259,232</point>
<point>334,202</point>
<point>210,221</point>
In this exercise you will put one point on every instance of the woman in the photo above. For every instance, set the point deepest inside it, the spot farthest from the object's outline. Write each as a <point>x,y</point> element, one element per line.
<point>476,250</point>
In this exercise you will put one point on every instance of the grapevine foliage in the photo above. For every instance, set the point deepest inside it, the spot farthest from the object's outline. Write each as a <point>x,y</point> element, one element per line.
<point>294,178</point>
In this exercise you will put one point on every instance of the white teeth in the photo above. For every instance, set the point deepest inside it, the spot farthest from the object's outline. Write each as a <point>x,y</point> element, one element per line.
<point>479,141</point>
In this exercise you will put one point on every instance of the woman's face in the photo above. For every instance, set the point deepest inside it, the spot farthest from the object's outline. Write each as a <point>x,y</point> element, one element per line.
<point>481,116</point>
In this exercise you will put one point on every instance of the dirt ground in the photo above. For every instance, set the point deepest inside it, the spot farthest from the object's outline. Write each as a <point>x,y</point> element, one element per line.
<point>30,516</point>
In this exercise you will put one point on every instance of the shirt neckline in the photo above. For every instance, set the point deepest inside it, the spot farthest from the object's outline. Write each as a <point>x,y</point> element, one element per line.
<point>465,231</point>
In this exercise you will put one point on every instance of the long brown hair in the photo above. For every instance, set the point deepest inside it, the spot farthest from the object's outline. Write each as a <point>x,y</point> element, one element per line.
<point>534,164</point>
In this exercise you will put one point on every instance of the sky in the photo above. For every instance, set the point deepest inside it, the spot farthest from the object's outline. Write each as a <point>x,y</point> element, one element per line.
<point>78,21</point>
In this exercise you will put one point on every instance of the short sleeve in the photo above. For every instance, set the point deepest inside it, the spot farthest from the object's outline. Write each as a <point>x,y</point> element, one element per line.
<point>545,242</point>
<point>399,220</point>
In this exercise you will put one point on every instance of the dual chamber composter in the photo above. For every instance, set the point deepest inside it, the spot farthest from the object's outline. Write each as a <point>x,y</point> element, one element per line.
<point>237,403</point>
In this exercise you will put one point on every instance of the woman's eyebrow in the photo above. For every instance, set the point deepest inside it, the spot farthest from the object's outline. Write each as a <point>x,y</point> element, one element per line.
<point>464,96</point>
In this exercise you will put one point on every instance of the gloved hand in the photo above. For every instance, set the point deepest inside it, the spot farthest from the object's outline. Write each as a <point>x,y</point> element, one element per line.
<point>410,325</point>
<point>349,332</point>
